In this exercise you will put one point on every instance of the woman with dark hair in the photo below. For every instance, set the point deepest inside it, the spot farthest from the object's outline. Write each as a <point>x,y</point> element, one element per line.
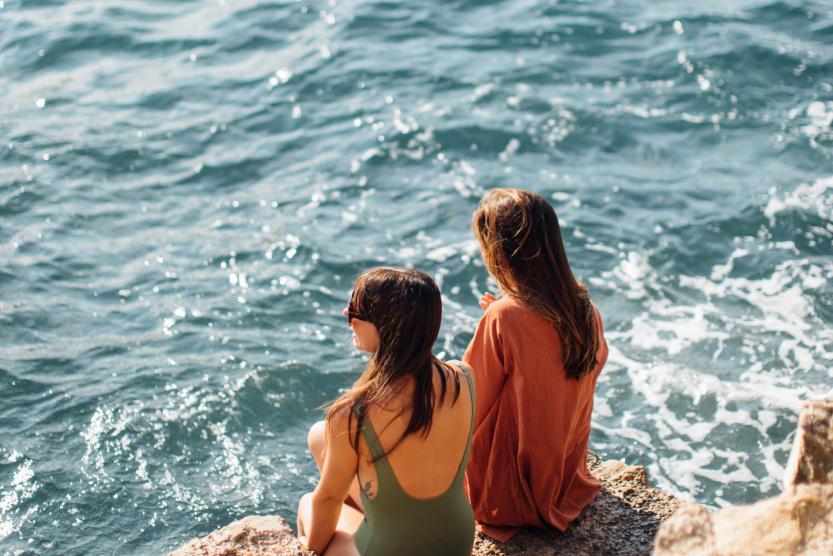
<point>402,432</point>
<point>536,353</point>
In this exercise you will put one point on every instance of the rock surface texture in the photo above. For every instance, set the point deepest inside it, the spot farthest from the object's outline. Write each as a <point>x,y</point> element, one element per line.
<point>799,521</point>
<point>622,520</point>
<point>251,536</point>
<point>811,459</point>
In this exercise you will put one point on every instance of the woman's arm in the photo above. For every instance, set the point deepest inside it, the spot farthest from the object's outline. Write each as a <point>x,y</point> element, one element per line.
<point>341,463</point>
<point>485,354</point>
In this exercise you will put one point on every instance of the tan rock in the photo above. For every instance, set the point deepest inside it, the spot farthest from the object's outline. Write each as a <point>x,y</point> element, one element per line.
<point>797,522</point>
<point>690,531</point>
<point>811,458</point>
<point>615,471</point>
<point>250,536</point>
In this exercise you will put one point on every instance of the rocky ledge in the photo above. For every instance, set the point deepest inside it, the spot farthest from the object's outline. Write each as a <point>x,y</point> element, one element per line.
<point>797,522</point>
<point>629,517</point>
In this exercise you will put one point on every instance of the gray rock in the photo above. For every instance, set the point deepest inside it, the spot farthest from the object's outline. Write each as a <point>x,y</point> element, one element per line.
<point>251,536</point>
<point>622,520</point>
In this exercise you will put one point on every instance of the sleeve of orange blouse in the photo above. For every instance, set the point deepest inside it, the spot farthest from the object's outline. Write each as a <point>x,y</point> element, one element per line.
<point>600,330</point>
<point>485,355</point>
<point>602,349</point>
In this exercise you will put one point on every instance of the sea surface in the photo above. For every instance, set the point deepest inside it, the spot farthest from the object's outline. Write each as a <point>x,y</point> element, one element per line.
<point>188,189</point>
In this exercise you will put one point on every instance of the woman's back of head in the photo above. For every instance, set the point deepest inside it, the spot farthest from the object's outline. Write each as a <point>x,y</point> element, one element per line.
<point>521,240</point>
<point>405,306</point>
<point>521,243</point>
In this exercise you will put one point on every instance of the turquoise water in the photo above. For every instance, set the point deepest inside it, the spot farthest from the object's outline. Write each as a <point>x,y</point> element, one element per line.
<point>187,190</point>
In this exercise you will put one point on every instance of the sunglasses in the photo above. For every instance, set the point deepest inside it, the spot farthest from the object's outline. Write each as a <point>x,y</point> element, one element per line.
<point>352,313</point>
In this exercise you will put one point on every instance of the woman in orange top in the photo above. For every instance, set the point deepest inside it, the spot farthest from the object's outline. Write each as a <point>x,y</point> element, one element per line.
<point>537,353</point>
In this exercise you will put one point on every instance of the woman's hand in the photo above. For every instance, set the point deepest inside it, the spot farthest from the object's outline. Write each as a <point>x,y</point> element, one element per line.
<point>486,300</point>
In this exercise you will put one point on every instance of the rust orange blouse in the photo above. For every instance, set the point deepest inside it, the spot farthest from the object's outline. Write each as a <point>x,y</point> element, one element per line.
<point>528,463</point>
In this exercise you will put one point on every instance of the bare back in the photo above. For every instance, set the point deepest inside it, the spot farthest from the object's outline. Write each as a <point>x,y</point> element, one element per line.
<point>425,466</point>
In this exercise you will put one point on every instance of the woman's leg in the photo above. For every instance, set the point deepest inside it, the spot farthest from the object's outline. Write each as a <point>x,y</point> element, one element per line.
<point>315,441</point>
<point>304,516</point>
<point>342,543</point>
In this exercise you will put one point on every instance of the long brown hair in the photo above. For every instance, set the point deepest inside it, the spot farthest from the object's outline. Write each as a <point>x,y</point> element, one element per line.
<point>520,240</point>
<point>406,308</point>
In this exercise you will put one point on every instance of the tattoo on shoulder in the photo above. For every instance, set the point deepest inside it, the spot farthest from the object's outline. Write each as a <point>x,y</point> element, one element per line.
<point>368,489</point>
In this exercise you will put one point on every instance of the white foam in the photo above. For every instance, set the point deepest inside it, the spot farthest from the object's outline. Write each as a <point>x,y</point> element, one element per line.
<point>821,116</point>
<point>719,272</point>
<point>816,198</point>
<point>747,343</point>
<point>23,488</point>
<point>635,271</point>
<point>679,328</point>
<point>510,150</point>
<point>690,437</point>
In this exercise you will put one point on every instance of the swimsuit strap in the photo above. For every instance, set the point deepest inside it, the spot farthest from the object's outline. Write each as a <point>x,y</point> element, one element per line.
<point>468,371</point>
<point>380,461</point>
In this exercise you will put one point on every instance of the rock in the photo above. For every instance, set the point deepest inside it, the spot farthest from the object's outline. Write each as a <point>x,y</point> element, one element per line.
<point>811,459</point>
<point>622,520</point>
<point>799,521</point>
<point>250,536</point>
<point>690,532</point>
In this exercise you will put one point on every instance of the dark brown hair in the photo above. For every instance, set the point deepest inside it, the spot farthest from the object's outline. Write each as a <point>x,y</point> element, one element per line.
<point>406,308</point>
<point>520,240</point>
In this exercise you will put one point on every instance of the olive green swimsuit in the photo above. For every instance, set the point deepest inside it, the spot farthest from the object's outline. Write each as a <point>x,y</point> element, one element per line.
<point>397,524</point>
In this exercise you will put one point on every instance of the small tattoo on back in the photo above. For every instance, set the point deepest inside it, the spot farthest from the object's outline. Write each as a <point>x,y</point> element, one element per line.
<point>368,489</point>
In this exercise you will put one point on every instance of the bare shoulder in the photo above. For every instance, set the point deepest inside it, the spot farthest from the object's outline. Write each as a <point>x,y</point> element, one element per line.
<point>459,371</point>
<point>343,423</point>
<point>598,317</point>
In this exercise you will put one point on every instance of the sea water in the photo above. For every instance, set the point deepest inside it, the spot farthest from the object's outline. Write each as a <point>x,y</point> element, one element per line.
<point>188,189</point>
